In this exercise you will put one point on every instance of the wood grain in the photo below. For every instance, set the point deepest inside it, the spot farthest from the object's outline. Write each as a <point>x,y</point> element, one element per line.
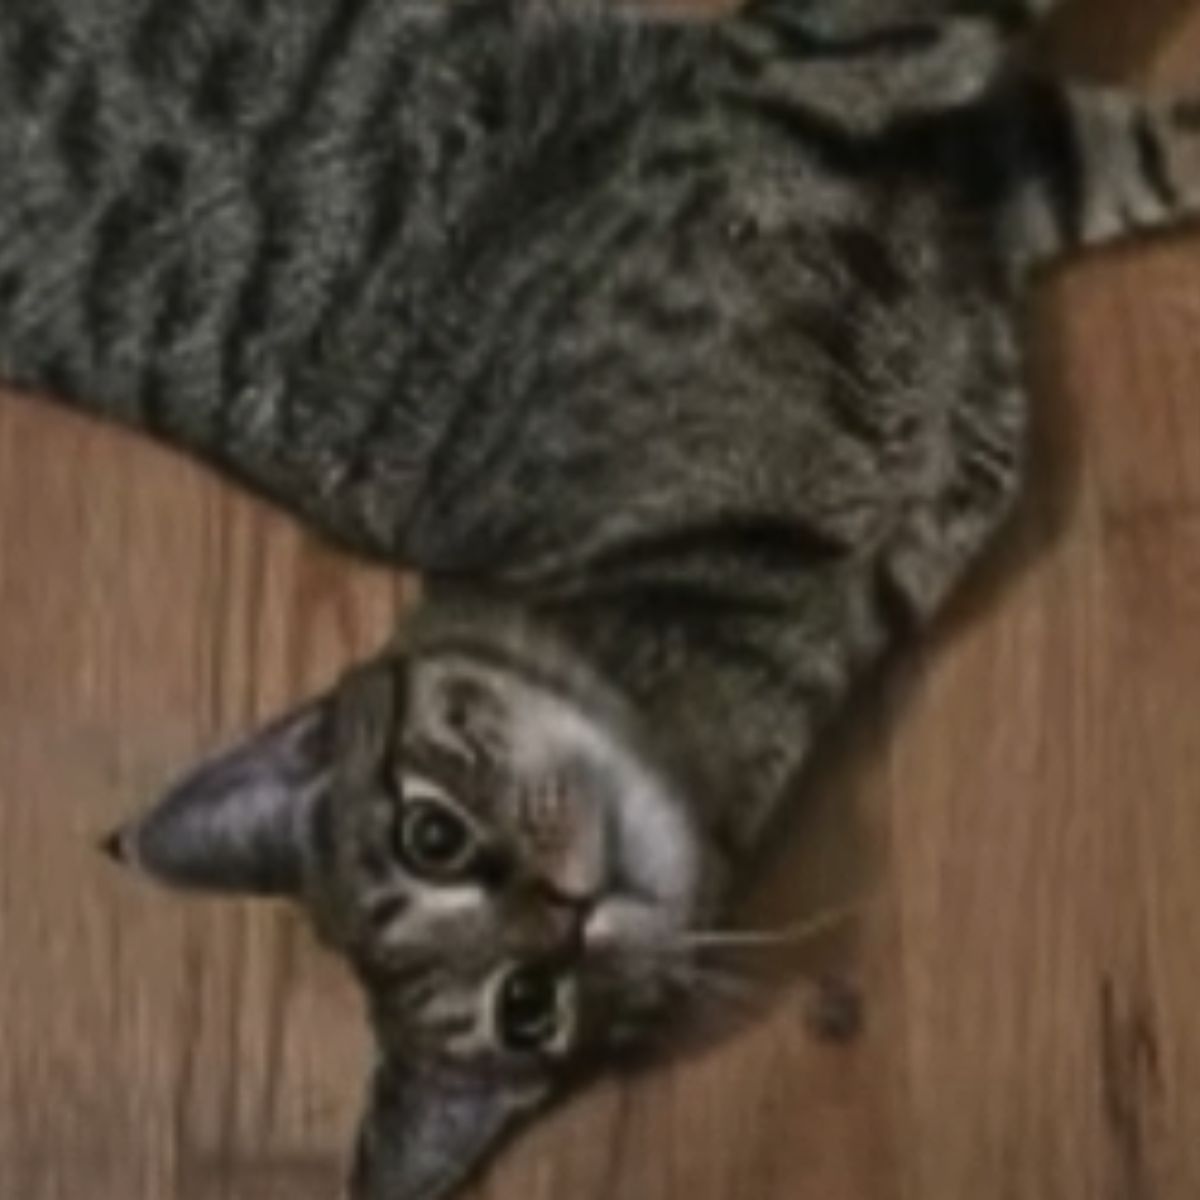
<point>1016,806</point>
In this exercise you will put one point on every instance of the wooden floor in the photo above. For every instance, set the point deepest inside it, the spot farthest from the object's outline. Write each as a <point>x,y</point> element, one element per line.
<point>1019,809</point>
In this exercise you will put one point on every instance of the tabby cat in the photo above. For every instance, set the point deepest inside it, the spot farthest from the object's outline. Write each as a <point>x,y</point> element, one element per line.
<point>680,358</point>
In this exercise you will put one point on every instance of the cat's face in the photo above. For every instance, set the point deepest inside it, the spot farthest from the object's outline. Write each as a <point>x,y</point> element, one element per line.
<point>509,877</point>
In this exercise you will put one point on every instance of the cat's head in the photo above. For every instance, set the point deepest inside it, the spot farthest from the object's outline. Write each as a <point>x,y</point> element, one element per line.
<point>494,851</point>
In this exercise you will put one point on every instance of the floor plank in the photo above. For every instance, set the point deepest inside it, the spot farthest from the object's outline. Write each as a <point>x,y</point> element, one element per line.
<point>1015,806</point>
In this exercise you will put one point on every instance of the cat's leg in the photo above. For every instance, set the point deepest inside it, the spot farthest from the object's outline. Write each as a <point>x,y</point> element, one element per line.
<point>868,83</point>
<point>870,18</point>
<point>1101,165</point>
<point>1087,166</point>
<point>1012,12</point>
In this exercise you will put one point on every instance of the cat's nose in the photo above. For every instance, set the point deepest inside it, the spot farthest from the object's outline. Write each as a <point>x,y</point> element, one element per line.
<point>566,843</point>
<point>578,901</point>
<point>576,909</point>
<point>548,920</point>
<point>581,909</point>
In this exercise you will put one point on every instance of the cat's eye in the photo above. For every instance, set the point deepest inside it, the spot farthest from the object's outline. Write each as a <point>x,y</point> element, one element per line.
<point>528,1008</point>
<point>434,841</point>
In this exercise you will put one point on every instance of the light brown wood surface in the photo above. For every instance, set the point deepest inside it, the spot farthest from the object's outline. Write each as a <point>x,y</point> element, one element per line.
<point>1018,806</point>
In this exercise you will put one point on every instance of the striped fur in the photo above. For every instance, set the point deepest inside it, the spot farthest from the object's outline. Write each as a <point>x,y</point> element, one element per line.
<point>1136,166</point>
<point>850,17</point>
<point>682,359</point>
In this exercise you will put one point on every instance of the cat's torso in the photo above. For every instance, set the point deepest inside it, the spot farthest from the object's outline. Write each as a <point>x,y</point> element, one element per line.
<point>686,332</point>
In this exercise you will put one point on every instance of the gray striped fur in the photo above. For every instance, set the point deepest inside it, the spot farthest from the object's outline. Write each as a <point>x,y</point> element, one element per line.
<point>683,361</point>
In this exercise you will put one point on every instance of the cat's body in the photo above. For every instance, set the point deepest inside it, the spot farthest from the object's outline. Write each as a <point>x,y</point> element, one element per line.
<point>682,359</point>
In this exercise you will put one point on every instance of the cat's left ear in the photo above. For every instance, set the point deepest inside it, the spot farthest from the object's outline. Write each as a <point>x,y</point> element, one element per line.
<point>429,1128</point>
<point>239,821</point>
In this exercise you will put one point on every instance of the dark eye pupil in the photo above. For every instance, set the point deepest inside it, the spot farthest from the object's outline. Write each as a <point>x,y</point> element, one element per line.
<point>529,1008</point>
<point>436,838</point>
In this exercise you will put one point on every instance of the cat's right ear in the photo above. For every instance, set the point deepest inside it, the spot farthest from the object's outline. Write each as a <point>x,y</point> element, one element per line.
<point>238,822</point>
<point>429,1128</point>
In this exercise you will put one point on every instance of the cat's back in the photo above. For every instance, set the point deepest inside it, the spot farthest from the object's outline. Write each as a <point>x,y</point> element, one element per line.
<point>499,286</point>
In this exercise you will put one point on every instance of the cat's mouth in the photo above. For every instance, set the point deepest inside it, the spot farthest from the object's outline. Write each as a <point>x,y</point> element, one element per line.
<point>624,919</point>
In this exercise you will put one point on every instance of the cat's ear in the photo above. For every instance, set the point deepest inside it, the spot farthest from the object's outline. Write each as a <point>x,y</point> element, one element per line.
<point>238,822</point>
<point>429,1128</point>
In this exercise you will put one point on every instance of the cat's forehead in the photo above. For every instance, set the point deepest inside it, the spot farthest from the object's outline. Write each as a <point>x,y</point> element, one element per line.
<point>458,680</point>
<point>501,706</point>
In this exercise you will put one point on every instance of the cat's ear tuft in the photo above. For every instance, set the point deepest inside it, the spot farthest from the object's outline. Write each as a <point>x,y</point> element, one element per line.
<point>430,1128</point>
<point>238,822</point>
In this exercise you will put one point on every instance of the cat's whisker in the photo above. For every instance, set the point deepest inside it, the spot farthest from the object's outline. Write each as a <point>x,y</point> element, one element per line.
<point>792,935</point>
<point>721,986</point>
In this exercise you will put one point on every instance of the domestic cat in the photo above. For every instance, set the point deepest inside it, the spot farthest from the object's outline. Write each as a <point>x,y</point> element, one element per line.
<point>681,359</point>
